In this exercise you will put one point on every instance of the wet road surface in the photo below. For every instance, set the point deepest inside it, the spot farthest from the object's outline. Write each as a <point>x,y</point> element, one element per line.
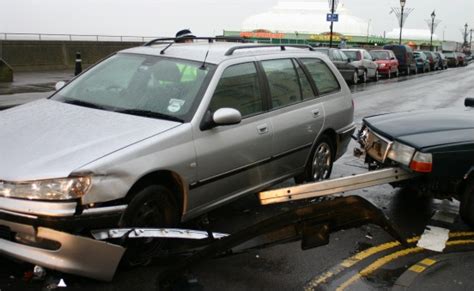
<point>358,259</point>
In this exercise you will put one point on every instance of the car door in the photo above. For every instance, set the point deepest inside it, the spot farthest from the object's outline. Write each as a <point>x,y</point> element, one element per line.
<point>296,115</point>
<point>231,159</point>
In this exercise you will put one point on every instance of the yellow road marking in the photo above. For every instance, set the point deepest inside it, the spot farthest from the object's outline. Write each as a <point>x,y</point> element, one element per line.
<point>387,259</point>
<point>347,263</point>
<point>417,268</point>
<point>427,262</point>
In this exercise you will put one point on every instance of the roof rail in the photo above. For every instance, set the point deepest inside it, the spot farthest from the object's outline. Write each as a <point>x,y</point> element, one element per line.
<point>168,40</point>
<point>282,47</point>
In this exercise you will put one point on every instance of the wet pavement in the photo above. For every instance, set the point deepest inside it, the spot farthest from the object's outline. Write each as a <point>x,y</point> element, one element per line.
<point>365,258</point>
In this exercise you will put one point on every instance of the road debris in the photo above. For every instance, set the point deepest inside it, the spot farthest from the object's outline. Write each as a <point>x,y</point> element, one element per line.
<point>434,238</point>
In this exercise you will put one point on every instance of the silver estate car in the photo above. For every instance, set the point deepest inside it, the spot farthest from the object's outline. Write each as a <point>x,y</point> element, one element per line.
<point>159,134</point>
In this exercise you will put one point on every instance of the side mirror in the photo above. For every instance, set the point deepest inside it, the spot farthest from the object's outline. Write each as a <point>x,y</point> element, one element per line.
<point>226,116</point>
<point>59,85</point>
<point>469,102</point>
<point>392,58</point>
<point>223,116</point>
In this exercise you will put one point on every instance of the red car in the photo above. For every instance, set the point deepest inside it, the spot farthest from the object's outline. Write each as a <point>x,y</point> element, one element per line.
<point>387,62</point>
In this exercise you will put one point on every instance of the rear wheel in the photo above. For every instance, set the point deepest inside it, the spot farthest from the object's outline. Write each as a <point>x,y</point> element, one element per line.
<point>321,160</point>
<point>153,206</point>
<point>389,74</point>
<point>397,73</point>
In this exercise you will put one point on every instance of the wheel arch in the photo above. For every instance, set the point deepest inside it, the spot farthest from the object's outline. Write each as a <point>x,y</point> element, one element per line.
<point>173,181</point>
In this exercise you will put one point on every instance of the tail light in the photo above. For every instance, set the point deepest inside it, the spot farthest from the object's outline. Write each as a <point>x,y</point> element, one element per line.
<point>422,162</point>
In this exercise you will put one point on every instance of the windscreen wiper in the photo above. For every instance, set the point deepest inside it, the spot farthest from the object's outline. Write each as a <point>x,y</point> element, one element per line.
<point>85,104</point>
<point>148,113</point>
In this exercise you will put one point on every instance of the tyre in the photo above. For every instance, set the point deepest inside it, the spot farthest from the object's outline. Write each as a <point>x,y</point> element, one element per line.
<point>389,74</point>
<point>364,77</point>
<point>377,76</point>
<point>322,159</point>
<point>397,73</point>
<point>466,210</point>
<point>355,77</point>
<point>153,206</point>
<point>408,71</point>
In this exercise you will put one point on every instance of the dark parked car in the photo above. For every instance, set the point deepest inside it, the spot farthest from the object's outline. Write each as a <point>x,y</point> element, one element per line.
<point>405,58</point>
<point>387,62</point>
<point>342,63</point>
<point>452,59</point>
<point>437,144</point>
<point>443,62</point>
<point>364,62</point>
<point>422,62</point>
<point>433,59</point>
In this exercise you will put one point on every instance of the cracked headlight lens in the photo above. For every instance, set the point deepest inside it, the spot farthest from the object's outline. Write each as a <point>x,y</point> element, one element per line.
<point>401,153</point>
<point>53,189</point>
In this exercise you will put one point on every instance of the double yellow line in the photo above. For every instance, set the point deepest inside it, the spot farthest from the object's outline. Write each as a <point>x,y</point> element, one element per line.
<point>380,262</point>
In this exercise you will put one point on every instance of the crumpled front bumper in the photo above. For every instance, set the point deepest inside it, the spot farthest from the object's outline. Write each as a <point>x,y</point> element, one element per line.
<point>73,254</point>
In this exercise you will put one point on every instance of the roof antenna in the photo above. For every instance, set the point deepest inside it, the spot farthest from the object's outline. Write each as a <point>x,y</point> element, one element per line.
<point>163,50</point>
<point>203,66</point>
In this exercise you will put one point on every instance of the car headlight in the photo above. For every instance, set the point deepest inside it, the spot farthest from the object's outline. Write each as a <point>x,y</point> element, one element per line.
<point>381,65</point>
<point>54,189</point>
<point>401,153</point>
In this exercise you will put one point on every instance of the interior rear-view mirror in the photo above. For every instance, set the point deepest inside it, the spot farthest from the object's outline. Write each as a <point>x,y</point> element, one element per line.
<point>469,102</point>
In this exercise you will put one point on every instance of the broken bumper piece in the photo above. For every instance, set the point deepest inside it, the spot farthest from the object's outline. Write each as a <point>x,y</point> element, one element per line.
<point>61,251</point>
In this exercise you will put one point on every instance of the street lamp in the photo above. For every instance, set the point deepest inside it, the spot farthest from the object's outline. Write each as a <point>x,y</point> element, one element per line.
<point>433,16</point>
<point>402,4</point>
<point>465,35</point>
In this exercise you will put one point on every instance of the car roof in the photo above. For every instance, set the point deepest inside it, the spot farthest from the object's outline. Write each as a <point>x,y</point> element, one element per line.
<point>216,51</point>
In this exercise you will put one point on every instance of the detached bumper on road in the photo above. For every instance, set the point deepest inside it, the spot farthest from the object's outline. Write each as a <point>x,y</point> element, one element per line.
<point>60,251</point>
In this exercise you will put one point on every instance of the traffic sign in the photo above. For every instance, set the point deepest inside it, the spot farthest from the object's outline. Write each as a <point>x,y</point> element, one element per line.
<point>332,17</point>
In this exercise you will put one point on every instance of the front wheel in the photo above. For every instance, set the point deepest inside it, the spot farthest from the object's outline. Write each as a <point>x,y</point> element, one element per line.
<point>466,209</point>
<point>364,77</point>
<point>355,77</point>
<point>154,206</point>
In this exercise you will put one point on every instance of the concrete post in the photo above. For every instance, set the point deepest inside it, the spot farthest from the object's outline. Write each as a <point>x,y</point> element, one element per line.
<point>78,67</point>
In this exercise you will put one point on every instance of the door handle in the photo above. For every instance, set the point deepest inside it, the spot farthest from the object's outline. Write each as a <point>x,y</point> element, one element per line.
<point>262,128</point>
<point>315,112</point>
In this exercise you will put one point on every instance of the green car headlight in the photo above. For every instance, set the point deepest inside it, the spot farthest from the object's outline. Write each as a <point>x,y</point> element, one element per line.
<point>53,189</point>
<point>401,153</point>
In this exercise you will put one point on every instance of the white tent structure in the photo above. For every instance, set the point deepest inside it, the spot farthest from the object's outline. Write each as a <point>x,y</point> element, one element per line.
<point>306,17</point>
<point>412,34</point>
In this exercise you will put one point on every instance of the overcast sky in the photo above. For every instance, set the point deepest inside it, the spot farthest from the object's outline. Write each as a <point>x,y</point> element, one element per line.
<point>204,17</point>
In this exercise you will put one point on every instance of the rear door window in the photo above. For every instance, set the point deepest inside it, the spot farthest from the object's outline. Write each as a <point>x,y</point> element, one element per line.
<point>323,77</point>
<point>239,88</point>
<point>283,81</point>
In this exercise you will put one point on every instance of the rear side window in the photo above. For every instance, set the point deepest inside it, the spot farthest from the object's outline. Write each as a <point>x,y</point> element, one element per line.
<point>323,77</point>
<point>238,88</point>
<point>283,82</point>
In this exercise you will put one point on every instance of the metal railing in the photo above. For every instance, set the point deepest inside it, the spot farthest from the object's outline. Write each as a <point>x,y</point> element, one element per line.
<point>72,37</point>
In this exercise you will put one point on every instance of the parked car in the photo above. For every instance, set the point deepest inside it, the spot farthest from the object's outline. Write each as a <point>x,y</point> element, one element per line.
<point>443,62</point>
<point>433,59</point>
<point>437,144</point>
<point>461,59</point>
<point>406,60</point>
<point>387,62</point>
<point>160,134</point>
<point>347,69</point>
<point>452,59</point>
<point>422,62</point>
<point>363,61</point>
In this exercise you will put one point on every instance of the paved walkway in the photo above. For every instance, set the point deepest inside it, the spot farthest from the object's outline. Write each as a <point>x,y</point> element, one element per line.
<point>29,86</point>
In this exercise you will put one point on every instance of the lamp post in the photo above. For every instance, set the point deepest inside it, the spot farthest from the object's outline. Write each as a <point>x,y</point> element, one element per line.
<point>433,16</point>
<point>332,22</point>
<point>402,4</point>
<point>465,35</point>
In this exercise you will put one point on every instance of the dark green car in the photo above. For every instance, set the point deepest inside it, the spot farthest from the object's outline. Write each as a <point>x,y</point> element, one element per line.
<point>438,144</point>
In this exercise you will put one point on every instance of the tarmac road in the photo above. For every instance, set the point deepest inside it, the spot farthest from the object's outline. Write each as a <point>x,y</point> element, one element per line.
<point>374,264</point>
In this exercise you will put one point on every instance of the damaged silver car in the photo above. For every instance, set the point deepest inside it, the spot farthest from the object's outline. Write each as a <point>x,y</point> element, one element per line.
<point>159,134</point>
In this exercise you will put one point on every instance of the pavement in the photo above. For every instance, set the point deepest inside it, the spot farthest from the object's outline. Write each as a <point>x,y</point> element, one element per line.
<point>29,86</point>
<point>364,258</point>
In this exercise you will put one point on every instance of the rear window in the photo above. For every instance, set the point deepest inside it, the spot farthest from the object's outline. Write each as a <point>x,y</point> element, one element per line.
<point>323,77</point>
<point>353,55</point>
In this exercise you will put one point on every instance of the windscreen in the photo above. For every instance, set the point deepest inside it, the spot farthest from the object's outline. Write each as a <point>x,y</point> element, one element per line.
<point>324,51</point>
<point>380,55</point>
<point>139,84</point>
<point>353,55</point>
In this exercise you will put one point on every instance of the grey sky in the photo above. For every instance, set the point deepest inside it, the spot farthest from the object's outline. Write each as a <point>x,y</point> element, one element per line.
<point>165,17</point>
